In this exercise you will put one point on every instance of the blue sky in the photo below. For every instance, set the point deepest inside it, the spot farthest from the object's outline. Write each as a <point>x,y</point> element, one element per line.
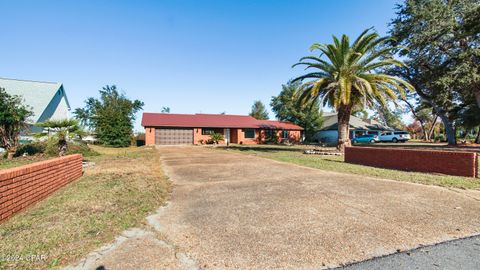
<point>192,56</point>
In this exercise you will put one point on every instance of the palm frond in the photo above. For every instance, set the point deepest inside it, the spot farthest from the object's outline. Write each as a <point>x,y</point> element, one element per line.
<point>347,73</point>
<point>312,75</point>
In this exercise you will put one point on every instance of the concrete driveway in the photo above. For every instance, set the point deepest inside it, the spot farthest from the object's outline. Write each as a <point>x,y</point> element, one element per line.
<point>231,210</point>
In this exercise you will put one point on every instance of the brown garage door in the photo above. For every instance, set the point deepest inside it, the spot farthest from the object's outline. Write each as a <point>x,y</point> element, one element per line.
<point>173,136</point>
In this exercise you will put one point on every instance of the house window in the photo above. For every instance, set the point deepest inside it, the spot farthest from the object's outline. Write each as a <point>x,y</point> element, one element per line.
<point>270,133</point>
<point>285,134</point>
<point>249,133</point>
<point>207,131</point>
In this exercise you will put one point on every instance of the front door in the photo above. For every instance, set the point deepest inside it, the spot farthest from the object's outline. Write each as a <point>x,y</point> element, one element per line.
<point>227,135</point>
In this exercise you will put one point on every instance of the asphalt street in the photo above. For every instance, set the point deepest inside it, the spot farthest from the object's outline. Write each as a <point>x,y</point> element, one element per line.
<point>456,254</point>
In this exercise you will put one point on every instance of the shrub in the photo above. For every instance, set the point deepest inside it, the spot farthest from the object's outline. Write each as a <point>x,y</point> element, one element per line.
<point>216,137</point>
<point>272,139</point>
<point>51,146</point>
<point>81,148</point>
<point>77,147</point>
<point>140,139</point>
<point>440,138</point>
<point>30,149</point>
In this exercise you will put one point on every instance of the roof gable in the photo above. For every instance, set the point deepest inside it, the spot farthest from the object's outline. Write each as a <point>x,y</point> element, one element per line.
<point>36,95</point>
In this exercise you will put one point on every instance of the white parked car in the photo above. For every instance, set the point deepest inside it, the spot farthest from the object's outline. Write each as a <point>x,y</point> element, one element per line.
<point>394,136</point>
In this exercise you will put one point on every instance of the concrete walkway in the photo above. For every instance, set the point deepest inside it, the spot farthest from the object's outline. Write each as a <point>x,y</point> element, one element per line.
<point>234,211</point>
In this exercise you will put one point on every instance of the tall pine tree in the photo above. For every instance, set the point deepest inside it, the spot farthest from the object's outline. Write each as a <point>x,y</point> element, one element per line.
<point>259,111</point>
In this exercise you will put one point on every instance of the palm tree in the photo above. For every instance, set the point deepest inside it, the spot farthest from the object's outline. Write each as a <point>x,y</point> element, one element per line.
<point>348,76</point>
<point>62,129</point>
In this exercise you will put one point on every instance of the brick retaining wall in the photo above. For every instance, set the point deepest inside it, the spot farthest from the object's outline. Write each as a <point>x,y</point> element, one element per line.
<point>451,163</point>
<point>28,184</point>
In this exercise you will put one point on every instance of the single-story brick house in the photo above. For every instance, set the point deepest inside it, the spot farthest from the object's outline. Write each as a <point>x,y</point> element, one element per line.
<point>166,128</point>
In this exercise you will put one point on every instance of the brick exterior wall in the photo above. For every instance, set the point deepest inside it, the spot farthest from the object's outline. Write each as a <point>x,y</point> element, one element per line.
<point>23,186</point>
<point>197,135</point>
<point>445,162</point>
<point>242,140</point>
<point>149,136</point>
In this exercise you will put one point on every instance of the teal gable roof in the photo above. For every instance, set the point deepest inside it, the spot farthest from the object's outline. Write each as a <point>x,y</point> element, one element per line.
<point>42,97</point>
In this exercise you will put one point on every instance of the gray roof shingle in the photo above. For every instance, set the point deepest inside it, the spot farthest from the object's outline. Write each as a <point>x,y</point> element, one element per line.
<point>330,123</point>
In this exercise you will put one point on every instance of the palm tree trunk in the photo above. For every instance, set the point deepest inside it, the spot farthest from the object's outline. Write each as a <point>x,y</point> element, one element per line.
<point>62,147</point>
<point>343,120</point>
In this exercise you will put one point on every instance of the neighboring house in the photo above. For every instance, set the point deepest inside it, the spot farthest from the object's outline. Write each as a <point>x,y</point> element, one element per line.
<point>328,134</point>
<point>166,128</point>
<point>47,100</point>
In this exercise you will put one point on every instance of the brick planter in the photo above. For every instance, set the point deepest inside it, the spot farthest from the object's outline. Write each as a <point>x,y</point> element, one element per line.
<point>445,162</point>
<point>23,186</point>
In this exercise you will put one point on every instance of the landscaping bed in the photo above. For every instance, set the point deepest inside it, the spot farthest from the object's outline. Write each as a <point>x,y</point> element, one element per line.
<point>39,151</point>
<point>115,194</point>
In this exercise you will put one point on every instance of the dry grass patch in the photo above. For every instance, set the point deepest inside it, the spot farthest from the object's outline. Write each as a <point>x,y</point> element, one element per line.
<point>19,161</point>
<point>117,193</point>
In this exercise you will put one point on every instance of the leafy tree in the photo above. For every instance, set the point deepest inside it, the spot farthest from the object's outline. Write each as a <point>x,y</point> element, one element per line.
<point>390,118</point>
<point>165,110</point>
<point>426,118</point>
<point>469,119</point>
<point>13,120</point>
<point>62,130</point>
<point>259,111</point>
<point>442,38</point>
<point>111,116</point>
<point>420,122</point>
<point>360,113</point>
<point>285,108</point>
<point>415,129</point>
<point>348,76</point>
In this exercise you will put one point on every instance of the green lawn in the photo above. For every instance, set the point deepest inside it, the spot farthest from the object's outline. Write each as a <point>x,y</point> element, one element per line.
<point>336,163</point>
<point>117,193</point>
